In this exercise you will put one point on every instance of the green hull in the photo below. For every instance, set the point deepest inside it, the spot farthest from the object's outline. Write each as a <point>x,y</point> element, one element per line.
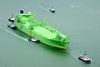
<point>45,34</point>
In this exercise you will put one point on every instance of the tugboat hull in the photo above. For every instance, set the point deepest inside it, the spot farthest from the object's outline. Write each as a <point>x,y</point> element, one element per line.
<point>85,59</point>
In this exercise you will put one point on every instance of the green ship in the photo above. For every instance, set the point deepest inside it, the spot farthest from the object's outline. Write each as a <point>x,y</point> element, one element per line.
<point>39,30</point>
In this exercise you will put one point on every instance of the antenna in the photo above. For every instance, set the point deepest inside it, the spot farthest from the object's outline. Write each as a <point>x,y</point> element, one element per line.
<point>85,53</point>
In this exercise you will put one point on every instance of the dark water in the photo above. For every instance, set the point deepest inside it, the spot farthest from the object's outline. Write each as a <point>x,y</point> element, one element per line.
<point>79,19</point>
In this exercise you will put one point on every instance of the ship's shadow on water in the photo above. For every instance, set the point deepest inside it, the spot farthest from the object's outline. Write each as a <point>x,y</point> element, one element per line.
<point>53,49</point>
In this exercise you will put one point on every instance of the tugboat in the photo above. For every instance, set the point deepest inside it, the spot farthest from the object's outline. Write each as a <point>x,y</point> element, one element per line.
<point>85,58</point>
<point>52,10</point>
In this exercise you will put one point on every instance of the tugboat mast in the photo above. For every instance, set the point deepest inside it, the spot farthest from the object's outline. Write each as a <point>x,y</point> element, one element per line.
<point>85,53</point>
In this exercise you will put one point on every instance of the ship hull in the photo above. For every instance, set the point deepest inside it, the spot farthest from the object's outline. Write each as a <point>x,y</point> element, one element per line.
<point>41,31</point>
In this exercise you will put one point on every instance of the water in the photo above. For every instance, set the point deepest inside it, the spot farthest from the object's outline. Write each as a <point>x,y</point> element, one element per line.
<point>79,19</point>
